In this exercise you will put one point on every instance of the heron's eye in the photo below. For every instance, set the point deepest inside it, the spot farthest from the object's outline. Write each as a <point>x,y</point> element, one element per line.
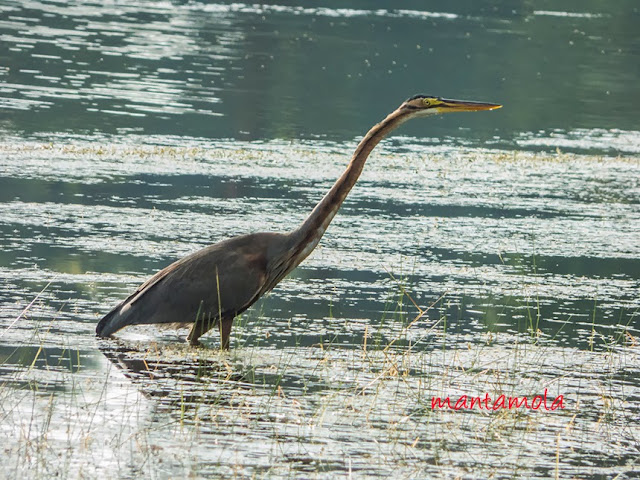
<point>427,102</point>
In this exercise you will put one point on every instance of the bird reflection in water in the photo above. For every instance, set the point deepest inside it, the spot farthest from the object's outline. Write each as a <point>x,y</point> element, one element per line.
<point>176,381</point>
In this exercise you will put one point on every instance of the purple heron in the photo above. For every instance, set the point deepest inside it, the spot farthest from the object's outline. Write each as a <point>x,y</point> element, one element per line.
<point>210,287</point>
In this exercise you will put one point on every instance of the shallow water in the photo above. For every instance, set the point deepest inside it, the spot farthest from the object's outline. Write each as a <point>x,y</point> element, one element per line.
<point>498,254</point>
<point>510,238</point>
<point>524,264</point>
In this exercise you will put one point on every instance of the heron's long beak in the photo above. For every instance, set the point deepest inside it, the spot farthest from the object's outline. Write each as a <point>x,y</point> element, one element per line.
<point>465,106</point>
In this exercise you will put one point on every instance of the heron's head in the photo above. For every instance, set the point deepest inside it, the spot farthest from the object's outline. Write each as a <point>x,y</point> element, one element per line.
<point>423,105</point>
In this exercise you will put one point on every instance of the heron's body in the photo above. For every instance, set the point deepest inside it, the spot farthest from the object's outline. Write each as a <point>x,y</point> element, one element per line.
<point>213,285</point>
<point>202,286</point>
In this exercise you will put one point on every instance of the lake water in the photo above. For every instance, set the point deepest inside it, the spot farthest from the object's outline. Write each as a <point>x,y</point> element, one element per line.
<point>495,252</point>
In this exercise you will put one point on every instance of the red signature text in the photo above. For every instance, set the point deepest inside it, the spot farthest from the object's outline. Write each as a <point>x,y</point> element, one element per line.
<point>501,402</point>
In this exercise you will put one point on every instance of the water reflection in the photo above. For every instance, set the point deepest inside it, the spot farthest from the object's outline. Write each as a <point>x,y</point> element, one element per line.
<point>179,383</point>
<point>182,378</point>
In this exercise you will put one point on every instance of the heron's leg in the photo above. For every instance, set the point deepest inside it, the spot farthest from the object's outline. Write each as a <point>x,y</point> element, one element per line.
<point>200,327</point>
<point>225,333</point>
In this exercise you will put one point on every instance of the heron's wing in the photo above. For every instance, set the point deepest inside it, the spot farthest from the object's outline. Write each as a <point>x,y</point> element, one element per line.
<point>116,318</point>
<point>221,280</point>
<point>157,278</point>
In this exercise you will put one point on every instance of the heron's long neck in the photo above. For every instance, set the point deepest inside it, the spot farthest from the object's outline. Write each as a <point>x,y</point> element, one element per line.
<point>307,236</point>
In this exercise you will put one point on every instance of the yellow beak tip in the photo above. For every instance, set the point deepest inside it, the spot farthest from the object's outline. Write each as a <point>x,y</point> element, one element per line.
<point>467,106</point>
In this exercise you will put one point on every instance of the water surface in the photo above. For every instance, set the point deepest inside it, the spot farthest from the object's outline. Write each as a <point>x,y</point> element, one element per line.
<point>489,253</point>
